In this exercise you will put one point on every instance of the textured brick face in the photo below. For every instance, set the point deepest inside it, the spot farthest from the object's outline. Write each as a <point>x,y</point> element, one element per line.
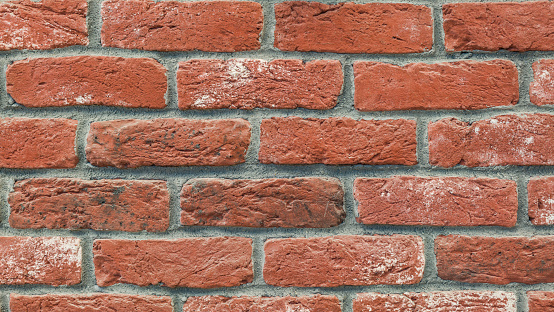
<point>262,304</point>
<point>88,80</point>
<point>248,84</point>
<point>215,26</point>
<point>540,192</point>
<point>318,262</point>
<point>540,301</point>
<point>353,28</point>
<point>44,25</point>
<point>542,88</point>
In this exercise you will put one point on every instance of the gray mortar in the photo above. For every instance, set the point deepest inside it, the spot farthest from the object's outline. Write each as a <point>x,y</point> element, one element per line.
<point>176,177</point>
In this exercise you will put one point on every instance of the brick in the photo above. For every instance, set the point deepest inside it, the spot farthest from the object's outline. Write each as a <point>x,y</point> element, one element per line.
<point>497,26</point>
<point>520,140</point>
<point>495,260</point>
<point>541,89</point>
<point>88,80</point>
<point>95,302</point>
<point>37,143</point>
<point>540,192</point>
<point>214,26</point>
<point>451,85</point>
<point>115,205</point>
<point>316,303</point>
<point>44,25</point>
<point>190,262</point>
<point>344,260</point>
<point>353,28</point>
<point>299,202</point>
<point>248,84</point>
<point>540,301</point>
<point>337,141</point>
<point>51,261</point>
<point>440,301</point>
<point>168,142</point>
<point>448,201</point>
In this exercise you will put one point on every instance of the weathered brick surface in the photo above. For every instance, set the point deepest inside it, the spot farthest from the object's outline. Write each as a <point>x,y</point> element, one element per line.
<point>443,301</point>
<point>88,80</point>
<point>86,303</point>
<point>168,142</point>
<point>316,303</point>
<point>540,192</point>
<point>495,260</point>
<point>337,141</point>
<point>188,262</point>
<point>40,260</point>
<point>450,201</point>
<point>29,143</point>
<point>495,26</point>
<point>541,88</point>
<point>523,140</point>
<point>353,28</point>
<point>248,84</point>
<point>321,261</point>
<point>43,25</point>
<point>540,301</point>
<point>452,85</point>
<point>299,202</point>
<point>116,205</point>
<point>215,26</point>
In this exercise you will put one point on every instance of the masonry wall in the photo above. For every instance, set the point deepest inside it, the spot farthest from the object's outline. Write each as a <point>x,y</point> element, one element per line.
<point>276,156</point>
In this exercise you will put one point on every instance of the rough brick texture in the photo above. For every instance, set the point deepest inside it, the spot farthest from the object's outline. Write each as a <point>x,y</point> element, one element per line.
<point>316,303</point>
<point>168,142</point>
<point>496,26</point>
<point>495,260</point>
<point>299,202</point>
<point>503,140</point>
<point>337,141</point>
<point>353,28</point>
<point>40,260</point>
<point>215,26</point>
<point>248,84</point>
<point>189,262</point>
<point>321,262</point>
<point>451,201</point>
<point>44,25</point>
<point>540,192</point>
<point>28,143</point>
<point>452,85</point>
<point>540,301</point>
<point>116,205</point>
<point>88,80</point>
<point>444,301</point>
<point>86,303</point>
<point>541,88</point>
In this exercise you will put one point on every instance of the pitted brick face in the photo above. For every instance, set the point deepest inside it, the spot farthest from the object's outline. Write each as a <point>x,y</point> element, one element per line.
<point>262,304</point>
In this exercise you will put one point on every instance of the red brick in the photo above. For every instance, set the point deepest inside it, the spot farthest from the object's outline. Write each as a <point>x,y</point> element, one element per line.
<point>299,202</point>
<point>336,141</point>
<point>40,260</point>
<point>353,28</point>
<point>115,205</point>
<point>452,85</point>
<point>248,84</point>
<point>168,142</point>
<point>540,192</point>
<point>316,303</point>
<point>344,260</point>
<point>44,25</point>
<point>495,260</point>
<point>449,201</point>
<point>442,301</point>
<point>500,141</point>
<point>88,80</point>
<point>37,143</point>
<point>496,26</point>
<point>540,301</point>
<point>95,302</point>
<point>542,88</point>
<point>189,262</point>
<point>215,26</point>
